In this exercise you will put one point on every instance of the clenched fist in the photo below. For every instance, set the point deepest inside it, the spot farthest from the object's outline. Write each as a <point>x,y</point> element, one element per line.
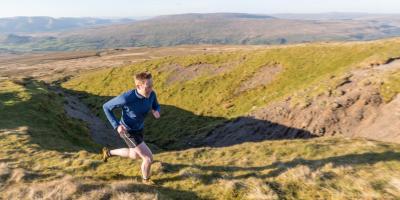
<point>121,129</point>
<point>156,114</point>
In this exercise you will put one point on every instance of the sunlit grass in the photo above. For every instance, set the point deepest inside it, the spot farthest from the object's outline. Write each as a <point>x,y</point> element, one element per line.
<point>391,86</point>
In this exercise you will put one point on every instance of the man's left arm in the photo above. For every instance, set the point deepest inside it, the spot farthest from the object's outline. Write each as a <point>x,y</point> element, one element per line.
<point>156,107</point>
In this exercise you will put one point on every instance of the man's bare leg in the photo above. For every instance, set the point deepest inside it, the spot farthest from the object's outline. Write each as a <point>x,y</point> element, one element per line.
<point>124,152</point>
<point>145,154</point>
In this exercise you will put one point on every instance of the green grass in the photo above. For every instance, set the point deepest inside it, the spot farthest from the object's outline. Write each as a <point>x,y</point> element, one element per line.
<point>211,99</point>
<point>391,86</point>
<point>28,105</point>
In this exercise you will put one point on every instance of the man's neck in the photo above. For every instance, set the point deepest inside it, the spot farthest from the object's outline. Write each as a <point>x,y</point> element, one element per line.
<point>140,95</point>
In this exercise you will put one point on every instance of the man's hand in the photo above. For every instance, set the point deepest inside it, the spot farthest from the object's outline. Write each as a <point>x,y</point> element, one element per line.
<point>156,114</point>
<point>121,129</point>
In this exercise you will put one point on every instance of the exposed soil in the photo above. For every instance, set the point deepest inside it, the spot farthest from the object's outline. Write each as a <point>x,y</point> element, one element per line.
<point>181,74</point>
<point>101,132</point>
<point>353,108</point>
<point>264,76</point>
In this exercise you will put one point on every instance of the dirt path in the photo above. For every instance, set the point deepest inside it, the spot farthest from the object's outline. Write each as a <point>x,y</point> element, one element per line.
<point>100,132</point>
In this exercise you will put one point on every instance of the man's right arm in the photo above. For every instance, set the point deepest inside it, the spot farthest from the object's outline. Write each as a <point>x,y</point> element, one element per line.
<point>108,107</point>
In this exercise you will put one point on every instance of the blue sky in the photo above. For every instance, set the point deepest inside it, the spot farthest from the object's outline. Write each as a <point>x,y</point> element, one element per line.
<point>142,8</point>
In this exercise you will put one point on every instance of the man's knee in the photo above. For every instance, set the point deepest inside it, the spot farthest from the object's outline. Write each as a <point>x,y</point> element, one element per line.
<point>148,159</point>
<point>132,154</point>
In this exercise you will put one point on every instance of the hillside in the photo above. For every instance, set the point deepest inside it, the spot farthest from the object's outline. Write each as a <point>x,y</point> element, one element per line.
<point>12,25</point>
<point>243,84</point>
<point>37,161</point>
<point>47,154</point>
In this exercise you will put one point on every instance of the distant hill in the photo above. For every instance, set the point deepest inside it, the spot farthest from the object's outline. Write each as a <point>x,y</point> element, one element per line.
<point>214,28</point>
<point>334,16</point>
<point>46,24</point>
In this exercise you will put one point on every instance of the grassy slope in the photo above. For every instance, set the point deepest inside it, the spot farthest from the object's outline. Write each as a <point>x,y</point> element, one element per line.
<point>28,105</point>
<point>37,136</point>
<point>323,168</point>
<point>209,99</point>
<point>391,86</point>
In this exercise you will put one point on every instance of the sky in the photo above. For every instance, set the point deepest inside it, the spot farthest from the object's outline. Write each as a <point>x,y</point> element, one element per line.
<point>147,8</point>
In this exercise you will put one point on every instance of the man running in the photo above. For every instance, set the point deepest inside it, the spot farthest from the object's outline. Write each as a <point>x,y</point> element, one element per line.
<point>135,105</point>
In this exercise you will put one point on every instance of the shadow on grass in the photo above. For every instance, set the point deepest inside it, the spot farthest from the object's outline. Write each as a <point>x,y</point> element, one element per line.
<point>180,129</point>
<point>177,129</point>
<point>44,119</point>
<point>137,187</point>
<point>277,168</point>
<point>162,192</point>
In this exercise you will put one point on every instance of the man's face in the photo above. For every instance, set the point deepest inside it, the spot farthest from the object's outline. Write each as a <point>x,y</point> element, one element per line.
<point>145,88</point>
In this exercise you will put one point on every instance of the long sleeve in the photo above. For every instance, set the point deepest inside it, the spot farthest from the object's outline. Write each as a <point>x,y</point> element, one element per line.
<point>108,107</point>
<point>155,105</point>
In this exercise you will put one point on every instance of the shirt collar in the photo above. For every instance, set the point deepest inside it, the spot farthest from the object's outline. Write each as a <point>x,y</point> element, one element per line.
<point>138,95</point>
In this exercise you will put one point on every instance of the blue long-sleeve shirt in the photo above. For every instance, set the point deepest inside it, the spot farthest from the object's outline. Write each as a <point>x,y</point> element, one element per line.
<point>134,109</point>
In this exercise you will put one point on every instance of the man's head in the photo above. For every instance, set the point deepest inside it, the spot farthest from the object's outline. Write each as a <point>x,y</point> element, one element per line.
<point>144,83</point>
